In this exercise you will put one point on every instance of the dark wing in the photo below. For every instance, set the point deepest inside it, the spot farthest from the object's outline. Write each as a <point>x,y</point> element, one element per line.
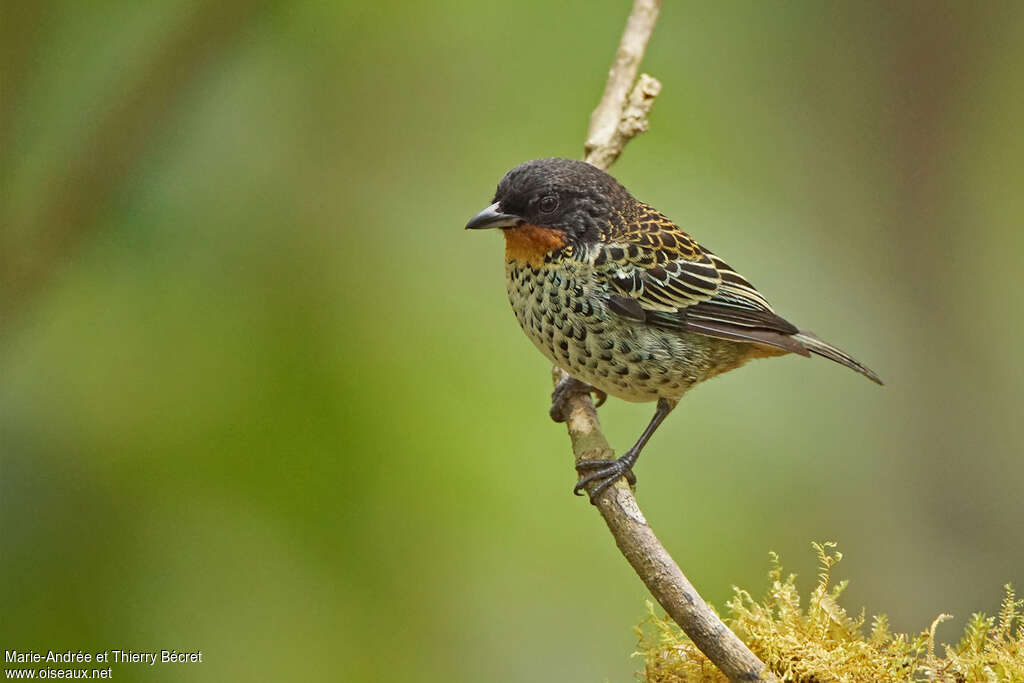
<point>660,275</point>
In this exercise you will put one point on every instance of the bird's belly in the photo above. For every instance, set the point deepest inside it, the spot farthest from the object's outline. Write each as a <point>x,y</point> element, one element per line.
<point>564,315</point>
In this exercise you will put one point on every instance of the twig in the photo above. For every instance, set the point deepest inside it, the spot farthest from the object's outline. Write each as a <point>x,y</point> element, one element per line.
<point>620,116</point>
<point>622,112</point>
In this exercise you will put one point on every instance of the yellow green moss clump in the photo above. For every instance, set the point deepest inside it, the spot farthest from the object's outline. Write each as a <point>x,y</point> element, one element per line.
<point>822,642</point>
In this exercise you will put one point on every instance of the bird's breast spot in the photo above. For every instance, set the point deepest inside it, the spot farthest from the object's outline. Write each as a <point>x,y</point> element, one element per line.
<point>528,244</point>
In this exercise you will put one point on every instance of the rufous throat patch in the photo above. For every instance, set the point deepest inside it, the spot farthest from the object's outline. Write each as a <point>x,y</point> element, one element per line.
<point>529,244</point>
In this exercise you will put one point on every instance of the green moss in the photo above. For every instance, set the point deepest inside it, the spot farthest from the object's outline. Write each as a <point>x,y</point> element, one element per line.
<point>822,642</point>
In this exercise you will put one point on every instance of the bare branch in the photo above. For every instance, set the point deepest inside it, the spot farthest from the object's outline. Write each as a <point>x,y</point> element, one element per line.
<point>620,116</point>
<point>622,112</point>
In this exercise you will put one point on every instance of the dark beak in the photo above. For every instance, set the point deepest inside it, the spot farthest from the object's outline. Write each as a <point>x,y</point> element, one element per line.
<point>491,217</point>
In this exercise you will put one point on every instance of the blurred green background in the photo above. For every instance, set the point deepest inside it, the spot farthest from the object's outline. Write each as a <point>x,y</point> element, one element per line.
<point>260,394</point>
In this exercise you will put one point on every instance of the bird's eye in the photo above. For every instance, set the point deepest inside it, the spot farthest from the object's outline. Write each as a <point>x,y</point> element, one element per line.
<point>548,204</point>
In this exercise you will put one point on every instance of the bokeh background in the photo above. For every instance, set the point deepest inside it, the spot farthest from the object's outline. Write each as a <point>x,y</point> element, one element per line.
<point>261,395</point>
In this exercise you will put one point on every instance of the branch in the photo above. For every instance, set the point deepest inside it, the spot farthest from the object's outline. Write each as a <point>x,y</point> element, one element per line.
<point>620,116</point>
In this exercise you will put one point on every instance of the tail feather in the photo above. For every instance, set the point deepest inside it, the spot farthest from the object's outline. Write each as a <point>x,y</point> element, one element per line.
<point>826,350</point>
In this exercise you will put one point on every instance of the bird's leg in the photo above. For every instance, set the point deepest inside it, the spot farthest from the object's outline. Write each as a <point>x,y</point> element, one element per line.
<point>566,388</point>
<point>606,472</point>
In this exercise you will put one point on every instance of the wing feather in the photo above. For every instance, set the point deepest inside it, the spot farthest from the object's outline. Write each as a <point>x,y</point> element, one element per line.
<point>660,274</point>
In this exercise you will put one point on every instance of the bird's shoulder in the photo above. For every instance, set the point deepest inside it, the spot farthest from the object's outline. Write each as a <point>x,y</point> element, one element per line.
<point>657,273</point>
<point>647,257</point>
<point>642,235</point>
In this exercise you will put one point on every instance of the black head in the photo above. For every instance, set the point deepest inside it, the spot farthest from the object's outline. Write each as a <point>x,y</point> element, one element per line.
<point>563,194</point>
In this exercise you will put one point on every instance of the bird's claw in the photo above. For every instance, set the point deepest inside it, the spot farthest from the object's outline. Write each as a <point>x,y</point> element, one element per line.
<point>606,472</point>
<point>568,387</point>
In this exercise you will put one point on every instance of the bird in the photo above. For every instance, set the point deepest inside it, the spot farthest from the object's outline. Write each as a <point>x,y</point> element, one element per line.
<point>618,296</point>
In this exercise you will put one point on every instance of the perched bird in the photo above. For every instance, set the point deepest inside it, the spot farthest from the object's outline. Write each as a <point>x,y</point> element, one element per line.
<point>623,300</point>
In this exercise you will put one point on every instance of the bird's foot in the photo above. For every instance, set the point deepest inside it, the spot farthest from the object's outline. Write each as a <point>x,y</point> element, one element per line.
<point>566,388</point>
<point>605,472</point>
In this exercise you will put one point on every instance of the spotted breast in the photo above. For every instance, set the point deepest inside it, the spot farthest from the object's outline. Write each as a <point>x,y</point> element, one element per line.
<point>562,306</point>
